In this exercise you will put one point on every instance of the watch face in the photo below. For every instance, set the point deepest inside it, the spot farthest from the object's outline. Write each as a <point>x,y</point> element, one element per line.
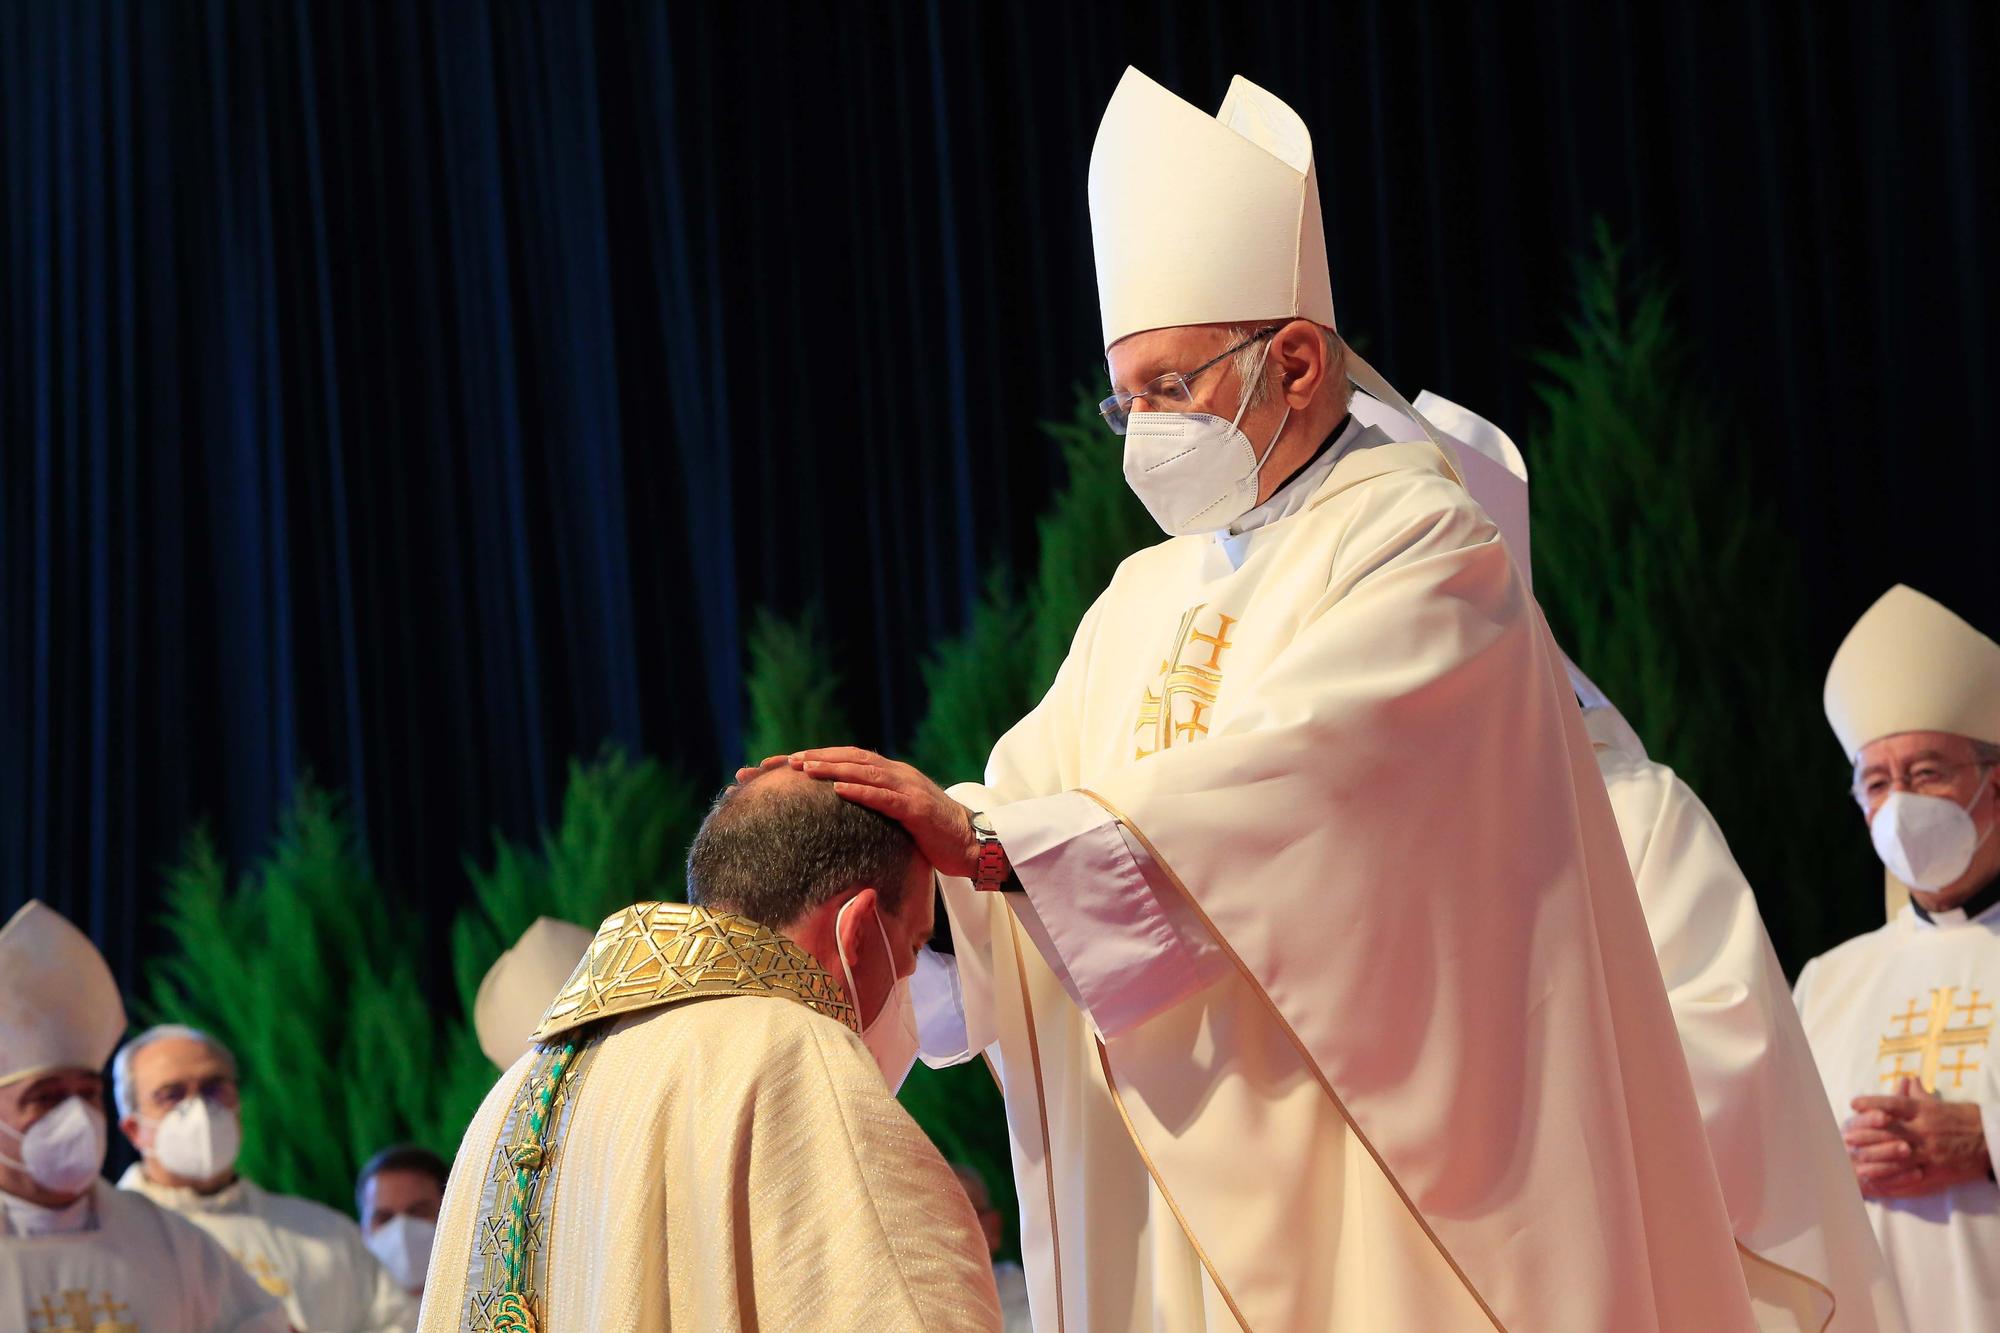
<point>983,826</point>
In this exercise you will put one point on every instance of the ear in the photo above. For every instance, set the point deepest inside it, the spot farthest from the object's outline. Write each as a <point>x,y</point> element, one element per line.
<point>855,919</point>
<point>129,1127</point>
<point>1305,366</point>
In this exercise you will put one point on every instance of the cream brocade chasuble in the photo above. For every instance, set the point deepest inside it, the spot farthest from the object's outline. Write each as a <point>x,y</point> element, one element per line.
<point>716,1150</point>
<point>1917,999</point>
<point>1427,1077</point>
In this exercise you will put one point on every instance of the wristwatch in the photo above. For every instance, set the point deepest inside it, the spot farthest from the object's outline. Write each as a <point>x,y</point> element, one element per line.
<point>993,870</point>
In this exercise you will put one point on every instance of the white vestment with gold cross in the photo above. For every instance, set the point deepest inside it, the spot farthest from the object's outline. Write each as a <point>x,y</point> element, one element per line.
<point>126,1265</point>
<point>304,1253</point>
<point>1329,1003</point>
<point>1916,998</point>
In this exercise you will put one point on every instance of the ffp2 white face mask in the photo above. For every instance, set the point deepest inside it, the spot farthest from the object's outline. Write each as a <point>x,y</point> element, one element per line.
<point>891,1037</point>
<point>1194,471</point>
<point>1926,841</point>
<point>64,1150</point>
<point>197,1140</point>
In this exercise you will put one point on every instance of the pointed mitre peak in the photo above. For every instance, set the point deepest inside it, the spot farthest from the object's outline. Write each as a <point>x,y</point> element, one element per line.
<point>1911,664</point>
<point>1199,219</point>
<point>518,987</point>
<point>59,1006</point>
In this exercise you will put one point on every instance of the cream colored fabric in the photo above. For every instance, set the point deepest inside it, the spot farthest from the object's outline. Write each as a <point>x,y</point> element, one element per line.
<point>1911,664</point>
<point>140,1270</point>
<point>1810,1260</point>
<point>1463,976</point>
<point>1909,997</point>
<point>732,1163</point>
<point>517,989</point>
<point>304,1253</point>
<point>59,1007</point>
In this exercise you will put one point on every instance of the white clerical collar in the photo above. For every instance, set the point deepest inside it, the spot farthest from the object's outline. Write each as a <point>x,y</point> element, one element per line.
<point>1293,496</point>
<point>24,1219</point>
<point>235,1197</point>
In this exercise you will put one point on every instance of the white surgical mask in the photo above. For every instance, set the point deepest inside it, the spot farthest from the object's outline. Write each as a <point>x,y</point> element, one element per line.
<point>1194,471</point>
<point>403,1244</point>
<point>1926,841</point>
<point>64,1150</point>
<point>892,1037</point>
<point>197,1140</point>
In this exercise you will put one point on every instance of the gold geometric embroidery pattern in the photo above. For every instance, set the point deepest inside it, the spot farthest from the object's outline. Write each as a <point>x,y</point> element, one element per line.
<point>75,1312</point>
<point>1941,1029</point>
<point>510,1238</point>
<point>653,954</point>
<point>1178,709</point>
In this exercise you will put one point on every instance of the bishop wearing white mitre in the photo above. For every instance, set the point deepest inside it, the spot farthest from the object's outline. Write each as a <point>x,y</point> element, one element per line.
<point>1325,1000</point>
<point>76,1255</point>
<point>1809,1258</point>
<point>1902,1019</point>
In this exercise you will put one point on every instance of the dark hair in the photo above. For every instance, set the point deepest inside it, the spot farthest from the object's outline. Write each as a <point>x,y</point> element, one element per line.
<point>772,851</point>
<point>400,1157</point>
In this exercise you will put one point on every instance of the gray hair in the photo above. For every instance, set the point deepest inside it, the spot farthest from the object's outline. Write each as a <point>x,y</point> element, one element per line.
<point>1250,361</point>
<point>771,853</point>
<point>121,1064</point>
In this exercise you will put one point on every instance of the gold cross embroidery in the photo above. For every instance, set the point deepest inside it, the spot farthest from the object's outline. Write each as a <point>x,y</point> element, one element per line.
<point>1197,685</point>
<point>79,1314</point>
<point>1927,1047</point>
<point>267,1274</point>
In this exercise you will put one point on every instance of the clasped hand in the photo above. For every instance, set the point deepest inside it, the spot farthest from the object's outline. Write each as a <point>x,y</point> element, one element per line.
<point>1913,1143</point>
<point>941,827</point>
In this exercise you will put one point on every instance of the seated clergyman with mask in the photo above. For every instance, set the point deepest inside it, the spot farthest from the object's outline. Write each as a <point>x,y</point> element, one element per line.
<point>178,1103</point>
<point>74,1252</point>
<point>705,1134</point>
<point>1901,1019</point>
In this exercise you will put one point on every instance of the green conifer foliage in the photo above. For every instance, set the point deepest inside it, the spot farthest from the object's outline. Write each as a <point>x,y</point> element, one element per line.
<point>307,973</point>
<point>1661,571</point>
<point>793,687</point>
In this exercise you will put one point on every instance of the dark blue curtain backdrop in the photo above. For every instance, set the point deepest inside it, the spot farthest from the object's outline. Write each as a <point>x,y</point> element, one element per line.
<point>421,394</point>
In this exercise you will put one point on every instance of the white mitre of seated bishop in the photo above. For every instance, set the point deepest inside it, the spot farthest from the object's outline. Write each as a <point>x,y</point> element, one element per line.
<point>59,1006</point>
<point>1910,664</point>
<point>1199,219</point>
<point>517,989</point>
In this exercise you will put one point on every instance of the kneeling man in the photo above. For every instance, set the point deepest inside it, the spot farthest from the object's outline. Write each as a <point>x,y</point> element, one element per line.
<point>700,1138</point>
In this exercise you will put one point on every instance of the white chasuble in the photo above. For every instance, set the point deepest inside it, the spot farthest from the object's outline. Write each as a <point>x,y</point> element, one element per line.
<point>304,1253</point>
<point>135,1268</point>
<point>1916,998</point>
<point>1329,1003</point>
<point>717,1151</point>
<point>1810,1260</point>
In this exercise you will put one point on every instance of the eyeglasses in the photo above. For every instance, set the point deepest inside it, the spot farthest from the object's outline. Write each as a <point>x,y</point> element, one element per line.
<point>1926,777</point>
<point>1170,392</point>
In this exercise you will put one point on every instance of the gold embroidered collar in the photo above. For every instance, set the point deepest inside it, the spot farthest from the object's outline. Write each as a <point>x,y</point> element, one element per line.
<point>654,954</point>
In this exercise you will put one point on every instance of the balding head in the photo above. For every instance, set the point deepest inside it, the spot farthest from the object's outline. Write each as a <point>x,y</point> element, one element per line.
<point>780,844</point>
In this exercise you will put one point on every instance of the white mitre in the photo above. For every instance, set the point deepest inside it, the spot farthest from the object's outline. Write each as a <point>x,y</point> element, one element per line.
<point>516,990</point>
<point>59,1007</point>
<point>1911,665</point>
<point>1211,220</point>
